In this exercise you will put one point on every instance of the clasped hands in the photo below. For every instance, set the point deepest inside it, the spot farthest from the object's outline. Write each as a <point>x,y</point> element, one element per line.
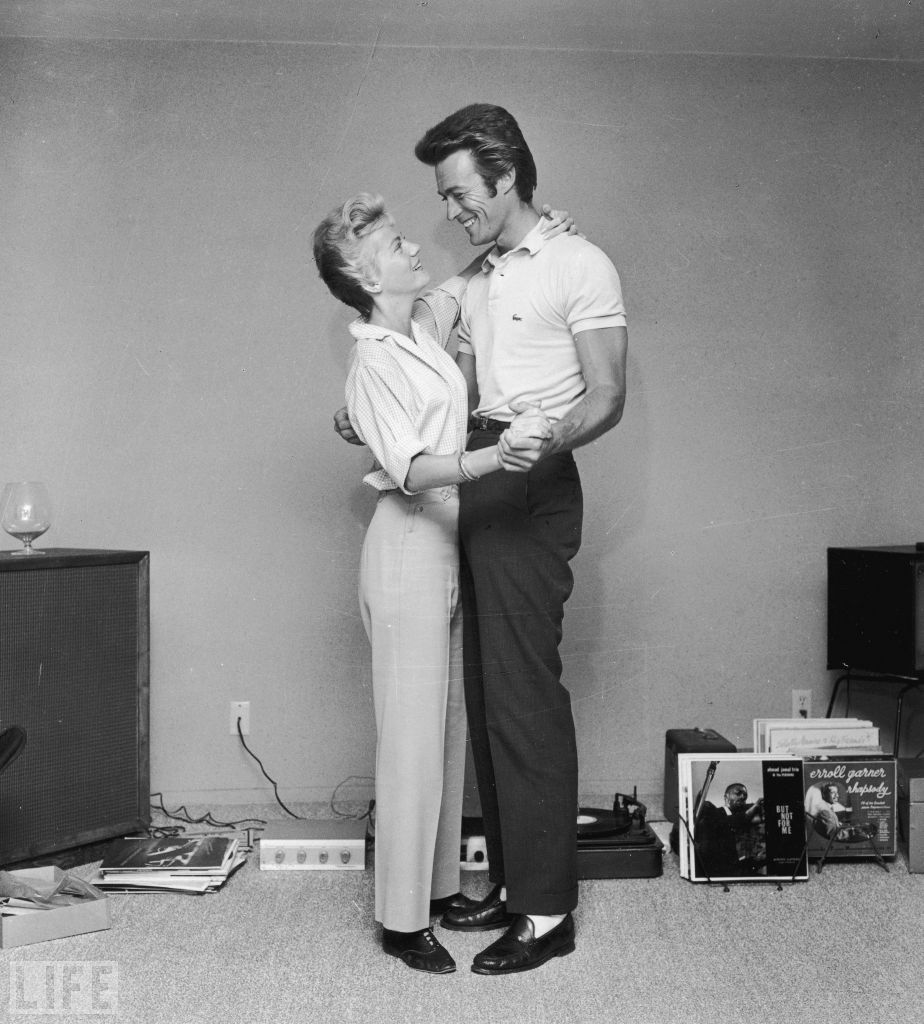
<point>526,440</point>
<point>519,447</point>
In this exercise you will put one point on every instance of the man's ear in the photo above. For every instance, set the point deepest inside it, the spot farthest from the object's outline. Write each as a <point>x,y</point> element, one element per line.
<point>506,182</point>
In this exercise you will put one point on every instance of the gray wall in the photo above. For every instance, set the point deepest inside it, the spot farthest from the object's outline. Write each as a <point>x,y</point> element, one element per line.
<point>170,363</point>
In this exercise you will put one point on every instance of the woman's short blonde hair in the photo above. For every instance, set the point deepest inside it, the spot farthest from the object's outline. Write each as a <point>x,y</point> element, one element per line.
<point>340,251</point>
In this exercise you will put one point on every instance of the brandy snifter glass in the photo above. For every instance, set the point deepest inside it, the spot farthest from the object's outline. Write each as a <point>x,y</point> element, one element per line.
<point>25,513</point>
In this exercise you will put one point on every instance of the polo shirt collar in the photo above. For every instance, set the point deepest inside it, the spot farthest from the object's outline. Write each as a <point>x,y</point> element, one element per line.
<point>531,243</point>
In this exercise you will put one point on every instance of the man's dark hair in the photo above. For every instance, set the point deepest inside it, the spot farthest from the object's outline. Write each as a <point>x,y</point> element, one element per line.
<point>493,138</point>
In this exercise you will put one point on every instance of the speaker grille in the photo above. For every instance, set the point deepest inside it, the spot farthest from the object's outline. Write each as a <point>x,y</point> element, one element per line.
<point>74,675</point>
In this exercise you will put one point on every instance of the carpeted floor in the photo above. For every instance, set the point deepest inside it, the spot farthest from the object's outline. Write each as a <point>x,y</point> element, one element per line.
<point>281,947</point>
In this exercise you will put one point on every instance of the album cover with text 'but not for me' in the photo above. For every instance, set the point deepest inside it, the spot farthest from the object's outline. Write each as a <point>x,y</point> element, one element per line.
<point>742,817</point>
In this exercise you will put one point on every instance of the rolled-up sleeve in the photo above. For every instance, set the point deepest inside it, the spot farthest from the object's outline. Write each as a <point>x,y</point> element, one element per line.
<point>380,404</point>
<point>593,299</point>
<point>437,310</point>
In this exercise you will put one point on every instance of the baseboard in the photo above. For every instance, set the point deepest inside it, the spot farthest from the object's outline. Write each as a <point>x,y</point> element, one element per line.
<point>315,801</point>
<point>345,794</point>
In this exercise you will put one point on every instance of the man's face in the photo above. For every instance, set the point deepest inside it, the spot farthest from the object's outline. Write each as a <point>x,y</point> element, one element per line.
<point>468,200</point>
<point>736,798</point>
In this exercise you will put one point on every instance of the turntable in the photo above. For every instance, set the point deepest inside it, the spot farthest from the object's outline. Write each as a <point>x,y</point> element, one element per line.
<point>616,843</point>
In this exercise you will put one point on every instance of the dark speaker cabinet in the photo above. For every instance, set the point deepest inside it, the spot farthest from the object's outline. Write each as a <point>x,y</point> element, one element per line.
<point>74,673</point>
<point>876,610</point>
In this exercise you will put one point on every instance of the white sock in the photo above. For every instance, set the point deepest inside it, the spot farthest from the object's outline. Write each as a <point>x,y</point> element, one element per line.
<point>543,923</point>
<point>503,893</point>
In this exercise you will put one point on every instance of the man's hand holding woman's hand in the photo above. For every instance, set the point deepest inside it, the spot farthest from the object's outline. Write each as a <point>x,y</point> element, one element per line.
<point>526,440</point>
<point>519,448</point>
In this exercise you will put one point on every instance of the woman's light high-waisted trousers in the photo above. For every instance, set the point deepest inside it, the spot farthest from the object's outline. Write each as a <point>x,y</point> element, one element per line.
<point>409,599</point>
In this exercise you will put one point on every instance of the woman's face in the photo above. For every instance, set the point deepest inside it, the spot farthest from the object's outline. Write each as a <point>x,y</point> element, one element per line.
<point>395,262</point>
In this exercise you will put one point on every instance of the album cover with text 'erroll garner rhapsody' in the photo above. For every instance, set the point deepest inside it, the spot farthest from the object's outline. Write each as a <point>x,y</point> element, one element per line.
<point>850,805</point>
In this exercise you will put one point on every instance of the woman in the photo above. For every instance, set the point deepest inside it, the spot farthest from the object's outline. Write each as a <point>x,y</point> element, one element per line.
<point>408,402</point>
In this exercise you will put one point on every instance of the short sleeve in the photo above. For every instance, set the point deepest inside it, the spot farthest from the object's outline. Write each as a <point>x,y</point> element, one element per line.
<point>437,311</point>
<point>465,334</point>
<point>594,295</point>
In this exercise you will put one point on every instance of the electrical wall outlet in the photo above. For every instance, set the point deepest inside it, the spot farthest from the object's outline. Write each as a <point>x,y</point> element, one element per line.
<point>801,703</point>
<point>240,709</point>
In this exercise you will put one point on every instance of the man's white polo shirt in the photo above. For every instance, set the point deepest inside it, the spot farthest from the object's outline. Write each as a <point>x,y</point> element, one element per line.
<point>520,315</point>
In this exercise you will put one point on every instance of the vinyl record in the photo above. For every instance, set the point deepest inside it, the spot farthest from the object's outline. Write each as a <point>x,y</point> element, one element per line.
<point>594,821</point>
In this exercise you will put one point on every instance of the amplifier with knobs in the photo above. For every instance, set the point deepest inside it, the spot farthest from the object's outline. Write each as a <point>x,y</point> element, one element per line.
<point>323,845</point>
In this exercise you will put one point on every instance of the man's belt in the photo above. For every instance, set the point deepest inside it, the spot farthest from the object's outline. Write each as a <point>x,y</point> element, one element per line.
<point>484,423</point>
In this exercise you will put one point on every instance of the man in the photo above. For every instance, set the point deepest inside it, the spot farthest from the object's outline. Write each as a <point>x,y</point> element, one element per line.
<point>829,813</point>
<point>832,795</point>
<point>542,327</point>
<point>729,839</point>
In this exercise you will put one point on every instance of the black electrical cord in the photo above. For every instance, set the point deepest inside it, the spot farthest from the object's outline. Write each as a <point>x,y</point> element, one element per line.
<point>266,775</point>
<point>370,810</point>
<point>183,814</point>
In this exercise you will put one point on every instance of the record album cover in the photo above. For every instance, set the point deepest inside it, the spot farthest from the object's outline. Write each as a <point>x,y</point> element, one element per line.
<point>850,805</point>
<point>192,854</point>
<point>742,817</point>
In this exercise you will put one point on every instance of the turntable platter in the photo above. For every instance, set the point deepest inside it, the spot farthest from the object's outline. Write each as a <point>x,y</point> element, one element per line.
<point>595,821</point>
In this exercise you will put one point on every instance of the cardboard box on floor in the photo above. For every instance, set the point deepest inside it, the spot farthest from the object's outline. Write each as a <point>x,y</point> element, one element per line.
<point>42,925</point>
<point>911,811</point>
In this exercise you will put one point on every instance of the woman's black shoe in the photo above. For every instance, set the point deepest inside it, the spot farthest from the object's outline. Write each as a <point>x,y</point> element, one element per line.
<point>455,902</point>
<point>419,950</point>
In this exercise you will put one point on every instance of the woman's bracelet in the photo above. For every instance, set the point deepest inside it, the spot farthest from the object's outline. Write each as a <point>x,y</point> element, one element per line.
<point>464,471</point>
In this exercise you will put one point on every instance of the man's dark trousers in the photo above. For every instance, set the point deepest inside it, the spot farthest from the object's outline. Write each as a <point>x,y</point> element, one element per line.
<point>518,532</point>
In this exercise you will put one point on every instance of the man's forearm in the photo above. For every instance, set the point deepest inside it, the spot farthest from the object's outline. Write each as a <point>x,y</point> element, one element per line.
<point>597,412</point>
<point>602,354</point>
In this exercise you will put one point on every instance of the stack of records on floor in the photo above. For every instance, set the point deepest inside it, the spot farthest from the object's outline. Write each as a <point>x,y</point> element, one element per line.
<point>815,737</point>
<point>186,864</point>
<point>850,784</point>
<point>742,817</point>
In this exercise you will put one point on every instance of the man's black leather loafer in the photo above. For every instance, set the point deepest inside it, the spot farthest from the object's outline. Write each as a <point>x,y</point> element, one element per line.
<point>490,913</point>
<point>455,902</point>
<point>519,950</point>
